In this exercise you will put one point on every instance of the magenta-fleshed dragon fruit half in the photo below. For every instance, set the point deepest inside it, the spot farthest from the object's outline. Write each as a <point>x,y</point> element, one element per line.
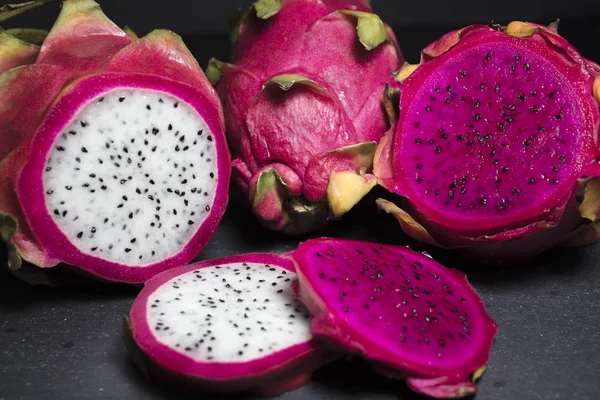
<point>113,151</point>
<point>304,107</point>
<point>495,151</point>
<point>413,318</point>
<point>231,325</point>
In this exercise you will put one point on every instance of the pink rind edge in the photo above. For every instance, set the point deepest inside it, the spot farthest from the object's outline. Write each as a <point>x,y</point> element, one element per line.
<point>327,326</point>
<point>214,372</point>
<point>30,180</point>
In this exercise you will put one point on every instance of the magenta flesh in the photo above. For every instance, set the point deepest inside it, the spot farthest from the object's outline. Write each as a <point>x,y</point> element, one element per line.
<point>516,136</point>
<point>408,314</point>
<point>495,131</point>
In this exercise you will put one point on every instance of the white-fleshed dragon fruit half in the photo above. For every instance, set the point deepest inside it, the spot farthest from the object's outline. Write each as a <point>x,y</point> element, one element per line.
<point>113,151</point>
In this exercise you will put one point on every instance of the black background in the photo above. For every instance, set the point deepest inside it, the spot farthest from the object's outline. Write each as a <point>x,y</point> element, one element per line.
<point>190,17</point>
<point>66,343</point>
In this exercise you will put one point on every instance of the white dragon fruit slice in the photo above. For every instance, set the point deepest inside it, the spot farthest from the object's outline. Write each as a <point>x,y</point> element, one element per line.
<point>227,325</point>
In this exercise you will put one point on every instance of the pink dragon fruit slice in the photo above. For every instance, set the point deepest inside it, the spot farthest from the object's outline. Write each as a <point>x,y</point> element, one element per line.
<point>230,325</point>
<point>119,171</point>
<point>303,94</point>
<point>498,126</point>
<point>413,318</point>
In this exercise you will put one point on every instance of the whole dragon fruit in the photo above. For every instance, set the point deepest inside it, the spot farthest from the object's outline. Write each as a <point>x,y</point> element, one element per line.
<point>413,318</point>
<point>304,107</point>
<point>229,325</point>
<point>113,152</point>
<point>496,147</point>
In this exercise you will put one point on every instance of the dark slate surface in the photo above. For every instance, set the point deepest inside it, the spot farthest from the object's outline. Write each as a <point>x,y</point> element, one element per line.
<point>66,343</point>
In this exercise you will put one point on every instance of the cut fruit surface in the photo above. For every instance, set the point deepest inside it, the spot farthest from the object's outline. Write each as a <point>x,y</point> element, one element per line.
<point>399,308</point>
<point>514,124</point>
<point>228,325</point>
<point>496,136</point>
<point>132,173</point>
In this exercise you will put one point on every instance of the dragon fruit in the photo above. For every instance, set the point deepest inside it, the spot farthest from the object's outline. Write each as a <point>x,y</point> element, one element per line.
<point>118,164</point>
<point>228,325</point>
<point>495,151</point>
<point>304,108</point>
<point>413,318</point>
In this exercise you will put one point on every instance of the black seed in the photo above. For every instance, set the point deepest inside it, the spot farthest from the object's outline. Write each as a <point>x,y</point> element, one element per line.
<point>483,200</point>
<point>477,117</point>
<point>69,187</point>
<point>463,73</point>
<point>534,109</point>
<point>427,108</point>
<point>531,180</point>
<point>522,97</point>
<point>438,149</point>
<point>84,124</point>
<point>60,148</point>
<point>505,169</point>
<point>562,159</point>
<point>526,66</point>
<point>418,141</point>
<point>554,181</point>
<point>559,116</point>
<point>450,194</point>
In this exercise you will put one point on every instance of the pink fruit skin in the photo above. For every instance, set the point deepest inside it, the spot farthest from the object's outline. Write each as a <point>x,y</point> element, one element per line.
<point>295,128</point>
<point>279,372</point>
<point>30,188</point>
<point>75,53</point>
<point>329,325</point>
<point>521,237</point>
